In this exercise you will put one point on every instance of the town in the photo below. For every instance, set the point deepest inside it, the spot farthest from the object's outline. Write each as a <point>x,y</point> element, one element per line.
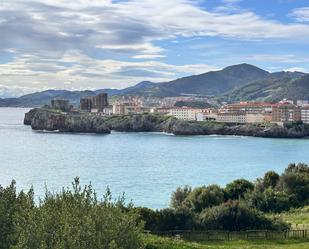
<point>242,112</point>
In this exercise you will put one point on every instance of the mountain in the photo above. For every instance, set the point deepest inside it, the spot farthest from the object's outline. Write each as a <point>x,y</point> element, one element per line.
<point>42,98</point>
<point>233,83</point>
<point>210,83</point>
<point>291,86</point>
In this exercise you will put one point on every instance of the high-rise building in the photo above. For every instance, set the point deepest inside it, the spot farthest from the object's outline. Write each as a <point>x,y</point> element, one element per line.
<point>97,103</point>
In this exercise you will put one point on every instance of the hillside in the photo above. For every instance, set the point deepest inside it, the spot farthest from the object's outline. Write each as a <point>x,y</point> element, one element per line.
<point>273,89</point>
<point>233,83</point>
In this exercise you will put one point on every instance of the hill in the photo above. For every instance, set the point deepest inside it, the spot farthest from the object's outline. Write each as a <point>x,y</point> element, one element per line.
<point>272,89</point>
<point>237,82</point>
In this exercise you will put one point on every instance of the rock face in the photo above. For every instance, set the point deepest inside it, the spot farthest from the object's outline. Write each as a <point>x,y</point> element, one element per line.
<point>51,121</point>
<point>41,119</point>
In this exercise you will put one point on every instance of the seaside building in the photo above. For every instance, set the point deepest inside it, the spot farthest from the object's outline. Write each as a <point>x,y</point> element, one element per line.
<point>233,117</point>
<point>184,113</point>
<point>94,103</point>
<point>248,108</point>
<point>305,114</point>
<point>125,108</point>
<point>285,112</point>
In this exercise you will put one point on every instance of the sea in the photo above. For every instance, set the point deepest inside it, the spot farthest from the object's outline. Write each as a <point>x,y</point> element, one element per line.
<point>145,167</point>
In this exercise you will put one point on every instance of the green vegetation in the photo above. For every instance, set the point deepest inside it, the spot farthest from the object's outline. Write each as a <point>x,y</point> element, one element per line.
<point>272,89</point>
<point>155,242</point>
<point>73,218</point>
<point>241,205</point>
<point>193,104</point>
<point>297,217</point>
<point>76,219</point>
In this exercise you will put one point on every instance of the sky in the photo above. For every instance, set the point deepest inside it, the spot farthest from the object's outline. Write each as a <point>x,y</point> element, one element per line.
<point>95,44</point>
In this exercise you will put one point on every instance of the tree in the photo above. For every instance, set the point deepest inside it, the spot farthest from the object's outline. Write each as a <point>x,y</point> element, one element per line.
<point>179,196</point>
<point>238,188</point>
<point>204,197</point>
<point>270,179</point>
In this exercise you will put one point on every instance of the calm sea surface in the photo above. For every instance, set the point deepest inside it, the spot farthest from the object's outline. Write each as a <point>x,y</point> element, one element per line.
<point>146,166</point>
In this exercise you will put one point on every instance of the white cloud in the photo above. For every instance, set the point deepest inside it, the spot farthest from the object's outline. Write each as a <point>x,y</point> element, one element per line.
<point>297,69</point>
<point>300,14</point>
<point>105,43</point>
<point>282,58</point>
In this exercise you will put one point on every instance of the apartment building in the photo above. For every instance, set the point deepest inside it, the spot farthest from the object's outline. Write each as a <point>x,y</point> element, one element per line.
<point>248,107</point>
<point>125,108</point>
<point>184,113</point>
<point>233,117</point>
<point>94,103</point>
<point>286,112</point>
<point>305,114</point>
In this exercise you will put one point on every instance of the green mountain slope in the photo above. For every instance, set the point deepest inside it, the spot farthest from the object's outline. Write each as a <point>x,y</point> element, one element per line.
<point>273,89</point>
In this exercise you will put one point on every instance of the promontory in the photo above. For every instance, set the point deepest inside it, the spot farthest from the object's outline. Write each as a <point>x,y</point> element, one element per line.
<point>55,120</point>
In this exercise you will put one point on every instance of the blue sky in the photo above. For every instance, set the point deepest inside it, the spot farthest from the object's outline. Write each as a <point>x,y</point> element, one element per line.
<point>91,44</point>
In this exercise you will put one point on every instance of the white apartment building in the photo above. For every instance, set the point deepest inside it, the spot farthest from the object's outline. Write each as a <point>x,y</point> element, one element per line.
<point>305,114</point>
<point>231,117</point>
<point>184,113</point>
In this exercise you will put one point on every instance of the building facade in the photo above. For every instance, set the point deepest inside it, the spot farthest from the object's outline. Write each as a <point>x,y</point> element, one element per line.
<point>286,112</point>
<point>305,114</point>
<point>248,107</point>
<point>235,117</point>
<point>97,103</point>
<point>184,113</point>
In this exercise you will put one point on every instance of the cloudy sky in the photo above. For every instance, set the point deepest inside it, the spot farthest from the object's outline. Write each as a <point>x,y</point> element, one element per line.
<point>91,44</point>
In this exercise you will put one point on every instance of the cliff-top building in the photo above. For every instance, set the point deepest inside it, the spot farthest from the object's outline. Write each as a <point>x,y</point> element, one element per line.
<point>94,103</point>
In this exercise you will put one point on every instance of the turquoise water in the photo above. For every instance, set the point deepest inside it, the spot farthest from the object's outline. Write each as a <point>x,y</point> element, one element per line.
<point>146,166</point>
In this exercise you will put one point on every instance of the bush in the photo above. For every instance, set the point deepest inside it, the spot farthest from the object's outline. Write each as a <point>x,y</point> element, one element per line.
<point>179,196</point>
<point>295,181</point>
<point>270,179</point>
<point>238,188</point>
<point>204,197</point>
<point>166,219</point>
<point>236,216</point>
<point>71,219</point>
<point>270,200</point>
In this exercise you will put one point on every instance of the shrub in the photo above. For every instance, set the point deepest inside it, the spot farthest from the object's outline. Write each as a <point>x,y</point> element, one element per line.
<point>70,219</point>
<point>204,197</point>
<point>237,189</point>
<point>270,179</point>
<point>236,216</point>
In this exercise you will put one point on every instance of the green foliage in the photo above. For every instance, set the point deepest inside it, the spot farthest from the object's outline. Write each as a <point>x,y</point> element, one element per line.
<point>73,218</point>
<point>179,196</point>
<point>193,104</point>
<point>235,216</point>
<point>270,179</point>
<point>238,188</point>
<point>167,219</point>
<point>204,197</point>
<point>156,242</point>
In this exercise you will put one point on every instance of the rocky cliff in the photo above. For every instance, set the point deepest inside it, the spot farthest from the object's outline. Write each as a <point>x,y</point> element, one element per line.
<point>51,120</point>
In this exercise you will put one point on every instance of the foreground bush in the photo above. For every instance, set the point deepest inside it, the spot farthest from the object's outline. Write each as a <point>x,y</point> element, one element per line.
<point>72,219</point>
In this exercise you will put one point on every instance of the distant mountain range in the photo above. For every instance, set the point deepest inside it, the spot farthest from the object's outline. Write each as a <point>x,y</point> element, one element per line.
<point>233,83</point>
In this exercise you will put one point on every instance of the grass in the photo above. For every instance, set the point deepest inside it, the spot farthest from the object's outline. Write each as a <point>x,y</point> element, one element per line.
<point>298,218</point>
<point>155,242</point>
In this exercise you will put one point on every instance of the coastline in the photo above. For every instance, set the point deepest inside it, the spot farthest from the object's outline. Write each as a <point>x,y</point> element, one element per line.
<point>78,122</point>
